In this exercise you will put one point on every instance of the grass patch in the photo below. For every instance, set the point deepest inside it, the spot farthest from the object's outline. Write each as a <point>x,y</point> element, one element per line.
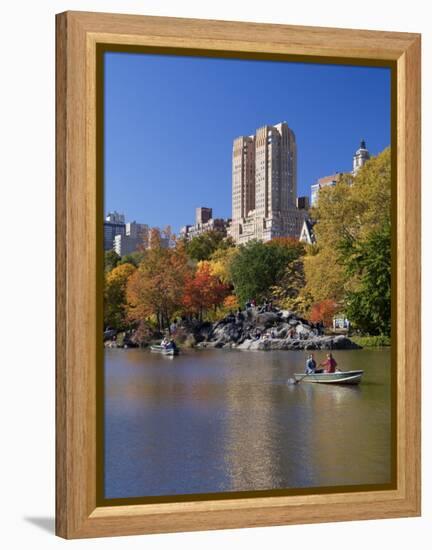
<point>371,341</point>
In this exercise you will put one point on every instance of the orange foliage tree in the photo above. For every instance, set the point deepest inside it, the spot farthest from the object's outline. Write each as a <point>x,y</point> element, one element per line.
<point>288,242</point>
<point>203,291</point>
<point>231,302</point>
<point>157,286</point>
<point>323,311</point>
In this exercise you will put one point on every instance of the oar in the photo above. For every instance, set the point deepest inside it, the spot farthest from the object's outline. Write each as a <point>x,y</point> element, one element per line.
<point>293,381</point>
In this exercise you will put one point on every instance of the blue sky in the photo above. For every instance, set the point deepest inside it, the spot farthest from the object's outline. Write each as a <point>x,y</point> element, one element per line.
<point>170,122</point>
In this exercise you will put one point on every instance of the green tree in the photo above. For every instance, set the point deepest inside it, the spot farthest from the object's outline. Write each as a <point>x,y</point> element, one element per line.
<point>258,266</point>
<point>134,258</point>
<point>203,246</point>
<point>292,279</point>
<point>111,259</point>
<point>290,283</point>
<point>368,304</point>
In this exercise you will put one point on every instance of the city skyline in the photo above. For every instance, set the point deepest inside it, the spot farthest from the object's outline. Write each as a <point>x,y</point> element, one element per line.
<point>172,141</point>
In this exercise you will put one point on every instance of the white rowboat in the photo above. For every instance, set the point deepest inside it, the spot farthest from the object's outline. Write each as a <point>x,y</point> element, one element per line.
<point>164,351</point>
<point>338,377</point>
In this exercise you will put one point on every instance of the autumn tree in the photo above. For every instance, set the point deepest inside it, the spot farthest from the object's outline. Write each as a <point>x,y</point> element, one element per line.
<point>231,302</point>
<point>347,216</point>
<point>115,307</point>
<point>157,238</point>
<point>220,263</point>
<point>336,217</point>
<point>157,286</point>
<point>325,275</point>
<point>203,291</point>
<point>324,312</point>
<point>293,247</point>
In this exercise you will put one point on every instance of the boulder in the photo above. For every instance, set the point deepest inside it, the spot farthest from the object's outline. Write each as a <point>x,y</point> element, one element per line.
<point>267,319</point>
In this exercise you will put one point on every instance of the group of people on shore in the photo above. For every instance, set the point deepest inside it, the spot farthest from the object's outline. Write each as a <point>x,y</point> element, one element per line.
<point>328,365</point>
<point>267,305</point>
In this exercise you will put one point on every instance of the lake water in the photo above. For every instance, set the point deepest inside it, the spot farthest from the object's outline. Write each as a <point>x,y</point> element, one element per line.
<point>215,421</point>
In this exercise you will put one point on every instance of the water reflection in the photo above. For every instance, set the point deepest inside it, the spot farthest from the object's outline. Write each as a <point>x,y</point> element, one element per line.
<point>211,421</point>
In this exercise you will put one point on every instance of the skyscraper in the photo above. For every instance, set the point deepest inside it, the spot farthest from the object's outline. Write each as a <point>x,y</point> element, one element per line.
<point>264,185</point>
<point>204,222</point>
<point>114,224</point>
<point>243,176</point>
<point>203,214</point>
<point>321,183</point>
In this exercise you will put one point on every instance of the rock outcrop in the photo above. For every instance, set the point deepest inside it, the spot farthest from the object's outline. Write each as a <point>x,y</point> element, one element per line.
<point>255,330</point>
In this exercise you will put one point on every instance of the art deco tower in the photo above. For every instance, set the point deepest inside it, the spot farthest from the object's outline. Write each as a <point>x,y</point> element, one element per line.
<point>243,176</point>
<point>265,185</point>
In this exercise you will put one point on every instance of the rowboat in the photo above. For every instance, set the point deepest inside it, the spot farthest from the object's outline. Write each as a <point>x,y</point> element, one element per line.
<point>164,351</point>
<point>338,377</point>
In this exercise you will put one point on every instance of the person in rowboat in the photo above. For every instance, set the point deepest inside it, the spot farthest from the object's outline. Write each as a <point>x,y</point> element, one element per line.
<point>310,364</point>
<point>329,364</point>
<point>164,342</point>
<point>171,344</point>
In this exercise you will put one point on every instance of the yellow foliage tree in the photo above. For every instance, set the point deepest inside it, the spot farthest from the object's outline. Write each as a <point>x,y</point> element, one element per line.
<point>347,212</point>
<point>220,263</point>
<point>115,309</point>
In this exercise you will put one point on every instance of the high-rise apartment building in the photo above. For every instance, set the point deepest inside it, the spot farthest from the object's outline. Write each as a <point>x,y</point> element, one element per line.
<point>321,183</point>
<point>138,231</point>
<point>203,214</point>
<point>204,222</point>
<point>124,244</point>
<point>360,158</point>
<point>114,224</point>
<point>243,177</point>
<point>264,185</point>
<point>136,237</point>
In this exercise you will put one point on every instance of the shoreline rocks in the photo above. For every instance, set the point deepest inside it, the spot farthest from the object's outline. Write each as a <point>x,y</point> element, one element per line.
<point>254,330</point>
<point>318,343</point>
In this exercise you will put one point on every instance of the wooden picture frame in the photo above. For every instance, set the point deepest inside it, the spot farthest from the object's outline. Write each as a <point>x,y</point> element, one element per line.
<point>79,34</point>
